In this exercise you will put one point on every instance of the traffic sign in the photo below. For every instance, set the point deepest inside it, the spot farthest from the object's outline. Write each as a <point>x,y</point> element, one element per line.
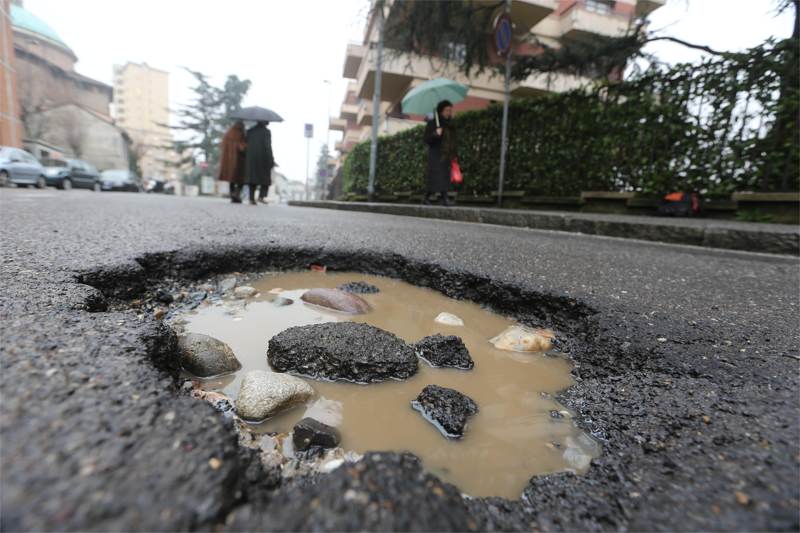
<point>309,133</point>
<point>502,35</point>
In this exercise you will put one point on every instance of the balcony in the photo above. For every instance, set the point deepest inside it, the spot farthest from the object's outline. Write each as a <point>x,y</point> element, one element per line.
<point>527,13</point>
<point>365,112</point>
<point>352,60</point>
<point>337,124</point>
<point>645,7</point>
<point>580,24</point>
<point>348,111</point>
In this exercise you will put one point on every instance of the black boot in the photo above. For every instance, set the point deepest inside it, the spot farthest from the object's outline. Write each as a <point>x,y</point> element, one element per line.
<point>446,200</point>
<point>426,200</point>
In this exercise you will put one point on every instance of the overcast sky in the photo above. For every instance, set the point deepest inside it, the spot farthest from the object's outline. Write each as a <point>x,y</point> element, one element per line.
<point>288,48</point>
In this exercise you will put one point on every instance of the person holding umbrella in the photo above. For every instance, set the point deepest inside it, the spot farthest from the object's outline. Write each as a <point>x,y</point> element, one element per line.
<point>259,161</point>
<point>440,133</point>
<point>231,163</point>
<point>440,136</point>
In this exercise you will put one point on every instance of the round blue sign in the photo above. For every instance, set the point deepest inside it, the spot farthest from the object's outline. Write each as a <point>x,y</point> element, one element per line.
<point>502,35</point>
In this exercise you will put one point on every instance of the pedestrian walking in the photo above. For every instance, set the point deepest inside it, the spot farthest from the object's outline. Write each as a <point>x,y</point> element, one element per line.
<point>440,136</point>
<point>232,159</point>
<point>259,161</point>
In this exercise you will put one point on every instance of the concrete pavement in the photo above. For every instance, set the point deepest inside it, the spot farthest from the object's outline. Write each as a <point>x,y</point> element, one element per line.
<point>686,370</point>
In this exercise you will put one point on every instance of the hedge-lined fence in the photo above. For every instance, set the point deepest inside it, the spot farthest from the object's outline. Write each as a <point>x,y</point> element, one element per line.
<point>724,125</point>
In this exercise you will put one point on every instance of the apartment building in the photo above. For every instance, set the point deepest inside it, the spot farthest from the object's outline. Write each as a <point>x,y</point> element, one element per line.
<point>552,22</point>
<point>141,108</point>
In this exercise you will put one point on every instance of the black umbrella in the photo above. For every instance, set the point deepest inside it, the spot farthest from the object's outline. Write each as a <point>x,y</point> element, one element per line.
<point>259,114</point>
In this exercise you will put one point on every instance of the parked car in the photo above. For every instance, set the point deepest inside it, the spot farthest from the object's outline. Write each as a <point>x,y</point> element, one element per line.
<point>19,167</point>
<point>154,185</point>
<point>68,173</point>
<point>119,180</point>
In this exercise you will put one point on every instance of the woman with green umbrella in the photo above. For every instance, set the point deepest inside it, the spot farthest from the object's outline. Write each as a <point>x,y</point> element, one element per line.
<point>440,136</point>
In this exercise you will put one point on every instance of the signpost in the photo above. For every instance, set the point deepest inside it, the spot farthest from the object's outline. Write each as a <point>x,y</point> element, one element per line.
<point>309,134</point>
<point>502,40</point>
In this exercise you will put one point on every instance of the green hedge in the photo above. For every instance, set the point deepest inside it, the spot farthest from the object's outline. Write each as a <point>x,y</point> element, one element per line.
<point>709,127</point>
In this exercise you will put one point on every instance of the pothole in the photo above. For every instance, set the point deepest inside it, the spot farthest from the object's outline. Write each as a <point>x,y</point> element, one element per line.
<point>519,429</point>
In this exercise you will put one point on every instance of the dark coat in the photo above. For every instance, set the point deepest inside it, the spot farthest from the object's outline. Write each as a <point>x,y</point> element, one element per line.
<point>258,158</point>
<point>440,153</point>
<point>231,161</point>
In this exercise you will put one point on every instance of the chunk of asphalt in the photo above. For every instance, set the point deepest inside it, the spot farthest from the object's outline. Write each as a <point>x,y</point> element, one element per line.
<point>342,351</point>
<point>447,409</point>
<point>444,351</point>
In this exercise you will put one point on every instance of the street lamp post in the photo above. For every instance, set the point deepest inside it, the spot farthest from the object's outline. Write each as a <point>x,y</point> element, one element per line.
<point>376,105</point>
<point>328,118</point>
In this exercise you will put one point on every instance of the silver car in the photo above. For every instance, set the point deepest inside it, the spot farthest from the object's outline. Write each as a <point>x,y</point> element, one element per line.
<point>19,167</point>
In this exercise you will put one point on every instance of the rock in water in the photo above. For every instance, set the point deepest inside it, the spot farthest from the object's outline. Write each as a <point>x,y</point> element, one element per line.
<point>444,351</point>
<point>264,394</point>
<point>245,291</point>
<point>359,287</point>
<point>206,356</point>
<point>342,351</point>
<point>448,319</point>
<point>309,432</point>
<point>227,284</point>
<point>524,339</point>
<point>447,409</point>
<point>337,300</point>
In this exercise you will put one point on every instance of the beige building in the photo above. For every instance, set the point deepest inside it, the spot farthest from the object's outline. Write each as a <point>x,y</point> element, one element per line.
<point>550,21</point>
<point>141,108</point>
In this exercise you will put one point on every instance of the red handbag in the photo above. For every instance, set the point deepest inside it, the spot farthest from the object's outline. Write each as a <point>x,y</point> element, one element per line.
<point>455,172</point>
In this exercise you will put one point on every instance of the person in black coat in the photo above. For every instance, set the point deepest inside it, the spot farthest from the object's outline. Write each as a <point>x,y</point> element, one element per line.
<point>440,136</point>
<point>258,161</point>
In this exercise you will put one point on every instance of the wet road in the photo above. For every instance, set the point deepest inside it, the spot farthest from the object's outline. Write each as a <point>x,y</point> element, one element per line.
<point>691,375</point>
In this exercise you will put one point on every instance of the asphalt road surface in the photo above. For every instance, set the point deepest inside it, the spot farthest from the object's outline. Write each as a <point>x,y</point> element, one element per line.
<point>686,368</point>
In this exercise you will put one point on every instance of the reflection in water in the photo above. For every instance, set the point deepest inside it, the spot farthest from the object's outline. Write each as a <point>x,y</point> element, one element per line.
<point>513,436</point>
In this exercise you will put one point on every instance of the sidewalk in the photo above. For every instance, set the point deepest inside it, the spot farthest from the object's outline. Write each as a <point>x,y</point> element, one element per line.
<point>713,233</point>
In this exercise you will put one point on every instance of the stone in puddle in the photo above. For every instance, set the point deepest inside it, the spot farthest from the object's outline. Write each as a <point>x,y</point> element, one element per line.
<point>447,409</point>
<point>206,356</point>
<point>337,300</point>
<point>359,287</point>
<point>245,291</point>
<point>227,284</point>
<point>309,432</point>
<point>342,351</point>
<point>219,401</point>
<point>448,319</point>
<point>444,351</point>
<point>264,394</point>
<point>524,339</point>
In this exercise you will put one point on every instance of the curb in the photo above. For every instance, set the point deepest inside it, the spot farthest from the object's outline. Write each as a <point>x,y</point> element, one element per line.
<point>711,233</point>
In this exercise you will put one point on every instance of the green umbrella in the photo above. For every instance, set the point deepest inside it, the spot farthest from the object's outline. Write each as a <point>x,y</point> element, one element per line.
<point>424,98</point>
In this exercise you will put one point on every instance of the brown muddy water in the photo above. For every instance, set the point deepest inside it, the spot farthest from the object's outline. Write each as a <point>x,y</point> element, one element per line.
<point>518,432</point>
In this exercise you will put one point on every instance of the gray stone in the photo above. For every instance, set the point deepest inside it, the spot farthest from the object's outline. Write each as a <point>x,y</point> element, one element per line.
<point>206,356</point>
<point>309,432</point>
<point>337,300</point>
<point>447,409</point>
<point>245,291</point>
<point>342,351</point>
<point>264,394</point>
<point>228,284</point>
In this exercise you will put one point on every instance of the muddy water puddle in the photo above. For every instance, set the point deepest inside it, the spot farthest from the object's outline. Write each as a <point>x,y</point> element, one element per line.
<point>518,432</point>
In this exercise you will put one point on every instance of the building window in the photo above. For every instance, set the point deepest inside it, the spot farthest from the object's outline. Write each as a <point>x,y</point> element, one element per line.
<point>455,52</point>
<point>601,7</point>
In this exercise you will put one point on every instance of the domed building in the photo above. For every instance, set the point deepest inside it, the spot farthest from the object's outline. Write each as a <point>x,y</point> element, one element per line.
<point>61,110</point>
